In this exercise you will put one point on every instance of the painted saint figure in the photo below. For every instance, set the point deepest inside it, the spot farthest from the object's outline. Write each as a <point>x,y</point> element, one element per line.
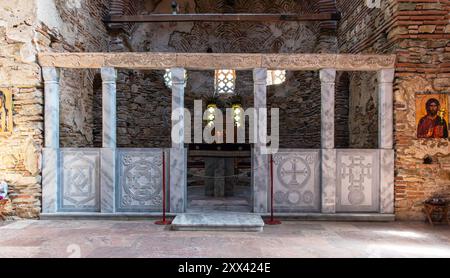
<point>3,113</point>
<point>432,125</point>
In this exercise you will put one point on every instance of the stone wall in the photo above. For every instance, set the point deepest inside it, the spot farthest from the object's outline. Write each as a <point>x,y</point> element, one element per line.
<point>418,32</point>
<point>143,94</point>
<point>75,26</point>
<point>20,156</point>
<point>341,117</point>
<point>26,28</point>
<point>363,110</point>
<point>364,30</point>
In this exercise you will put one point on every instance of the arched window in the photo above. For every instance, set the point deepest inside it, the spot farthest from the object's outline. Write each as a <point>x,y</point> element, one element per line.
<point>225,80</point>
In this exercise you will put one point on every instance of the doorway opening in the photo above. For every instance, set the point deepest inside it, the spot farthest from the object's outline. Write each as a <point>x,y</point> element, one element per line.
<point>219,178</point>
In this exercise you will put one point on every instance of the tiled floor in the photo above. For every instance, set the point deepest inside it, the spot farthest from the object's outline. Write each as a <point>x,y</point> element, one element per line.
<point>291,239</point>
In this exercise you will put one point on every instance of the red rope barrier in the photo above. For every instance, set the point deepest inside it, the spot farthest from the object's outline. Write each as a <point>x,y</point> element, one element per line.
<point>272,221</point>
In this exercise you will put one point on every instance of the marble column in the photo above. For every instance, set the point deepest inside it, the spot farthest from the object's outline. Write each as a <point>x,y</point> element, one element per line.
<point>260,160</point>
<point>108,153</point>
<point>385,108</point>
<point>327,79</point>
<point>50,163</point>
<point>328,153</point>
<point>109,76</point>
<point>385,139</point>
<point>178,159</point>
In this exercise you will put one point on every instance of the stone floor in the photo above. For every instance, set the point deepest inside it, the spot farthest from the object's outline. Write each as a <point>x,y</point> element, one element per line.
<point>72,238</point>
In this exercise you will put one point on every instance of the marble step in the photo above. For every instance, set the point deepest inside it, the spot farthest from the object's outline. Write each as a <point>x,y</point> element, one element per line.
<point>218,221</point>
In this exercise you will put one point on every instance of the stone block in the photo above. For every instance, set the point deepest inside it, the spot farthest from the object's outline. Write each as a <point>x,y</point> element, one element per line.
<point>406,6</point>
<point>447,29</point>
<point>427,28</point>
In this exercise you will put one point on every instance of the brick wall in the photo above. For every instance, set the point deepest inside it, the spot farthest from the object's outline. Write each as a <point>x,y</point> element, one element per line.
<point>422,34</point>
<point>418,31</point>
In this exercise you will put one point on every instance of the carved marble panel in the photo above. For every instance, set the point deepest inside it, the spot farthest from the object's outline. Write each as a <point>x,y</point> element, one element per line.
<point>349,62</point>
<point>358,181</point>
<point>296,180</point>
<point>139,176</point>
<point>79,190</point>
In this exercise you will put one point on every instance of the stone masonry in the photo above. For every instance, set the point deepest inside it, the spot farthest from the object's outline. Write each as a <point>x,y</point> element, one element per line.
<point>26,28</point>
<point>418,31</point>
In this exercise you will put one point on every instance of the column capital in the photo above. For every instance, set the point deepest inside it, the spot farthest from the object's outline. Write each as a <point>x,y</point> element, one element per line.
<point>109,74</point>
<point>328,75</point>
<point>386,75</point>
<point>178,76</point>
<point>260,76</point>
<point>50,74</point>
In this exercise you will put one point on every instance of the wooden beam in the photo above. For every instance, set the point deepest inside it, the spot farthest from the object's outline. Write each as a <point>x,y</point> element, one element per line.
<point>221,17</point>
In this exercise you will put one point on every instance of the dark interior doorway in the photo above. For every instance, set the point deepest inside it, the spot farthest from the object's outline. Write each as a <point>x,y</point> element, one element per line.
<point>219,178</point>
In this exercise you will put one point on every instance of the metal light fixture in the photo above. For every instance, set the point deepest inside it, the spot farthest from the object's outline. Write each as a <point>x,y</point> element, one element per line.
<point>211,114</point>
<point>237,114</point>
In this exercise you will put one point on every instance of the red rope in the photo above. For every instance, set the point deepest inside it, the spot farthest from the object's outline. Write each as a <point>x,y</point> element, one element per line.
<point>272,221</point>
<point>164,186</point>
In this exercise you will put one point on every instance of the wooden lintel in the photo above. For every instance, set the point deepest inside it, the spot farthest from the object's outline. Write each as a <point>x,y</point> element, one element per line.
<point>220,17</point>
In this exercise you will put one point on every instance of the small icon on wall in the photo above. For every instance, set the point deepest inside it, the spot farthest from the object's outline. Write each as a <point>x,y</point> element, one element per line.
<point>432,115</point>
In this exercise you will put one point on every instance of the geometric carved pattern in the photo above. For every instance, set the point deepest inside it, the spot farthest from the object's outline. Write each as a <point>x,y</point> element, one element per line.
<point>296,181</point>
<point>357,180</point>
<point>80,180</point>
<point>139,180</point>
<point>225,81</point>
